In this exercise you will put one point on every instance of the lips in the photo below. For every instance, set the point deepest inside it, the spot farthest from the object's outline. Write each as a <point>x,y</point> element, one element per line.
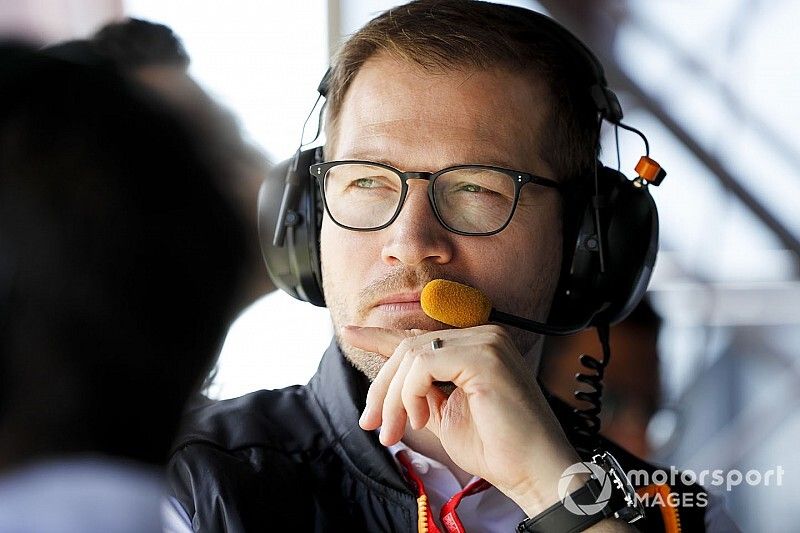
<point>400,298</point>
<point>401,310</point>
<point>400,302</point>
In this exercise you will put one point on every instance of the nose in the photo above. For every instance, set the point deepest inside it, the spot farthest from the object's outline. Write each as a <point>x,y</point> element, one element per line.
<point>416,235</point>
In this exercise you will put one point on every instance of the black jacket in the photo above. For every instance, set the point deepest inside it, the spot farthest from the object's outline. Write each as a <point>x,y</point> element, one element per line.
<point>296,459</point>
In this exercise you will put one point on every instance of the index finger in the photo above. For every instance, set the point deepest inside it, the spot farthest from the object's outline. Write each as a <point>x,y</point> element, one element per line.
<point>377,340</point>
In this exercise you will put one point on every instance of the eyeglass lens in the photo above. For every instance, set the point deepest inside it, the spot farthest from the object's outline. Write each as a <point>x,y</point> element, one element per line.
<point>469,200</point>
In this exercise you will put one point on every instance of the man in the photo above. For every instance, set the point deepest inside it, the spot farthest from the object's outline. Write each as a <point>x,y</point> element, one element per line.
<point>120,264</point>
<point>376,441</point>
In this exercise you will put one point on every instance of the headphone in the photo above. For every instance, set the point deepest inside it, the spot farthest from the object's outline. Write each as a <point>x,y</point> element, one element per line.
<point>610,232</point>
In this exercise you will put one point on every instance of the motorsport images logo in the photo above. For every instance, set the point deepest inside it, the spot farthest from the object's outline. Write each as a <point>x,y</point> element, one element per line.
<point>658,478</point>
<point>584,468</point>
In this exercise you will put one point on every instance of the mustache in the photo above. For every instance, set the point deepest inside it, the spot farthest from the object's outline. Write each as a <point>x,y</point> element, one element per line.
<point>403,279</point>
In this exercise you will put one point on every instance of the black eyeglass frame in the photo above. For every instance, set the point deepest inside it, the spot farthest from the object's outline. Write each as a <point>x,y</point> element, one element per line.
<point>320,170</point>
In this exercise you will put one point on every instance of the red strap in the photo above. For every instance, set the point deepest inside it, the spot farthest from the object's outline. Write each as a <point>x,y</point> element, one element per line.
<point>402,456</point>
<point>449,517</point>
<point>448,514</point>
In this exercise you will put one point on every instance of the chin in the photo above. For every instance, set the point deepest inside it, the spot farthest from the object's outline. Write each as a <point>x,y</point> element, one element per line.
<point>367,363</point>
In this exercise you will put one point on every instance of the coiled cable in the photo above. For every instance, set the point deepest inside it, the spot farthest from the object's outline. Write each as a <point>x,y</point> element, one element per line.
<point>587,427</point>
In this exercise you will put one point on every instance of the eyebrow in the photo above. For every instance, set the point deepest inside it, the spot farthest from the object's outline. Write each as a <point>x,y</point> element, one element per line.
<point>358,156</point>
<point>366,157</point>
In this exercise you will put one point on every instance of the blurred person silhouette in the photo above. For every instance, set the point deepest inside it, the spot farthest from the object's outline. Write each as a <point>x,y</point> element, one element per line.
<point>632,386</point>
<point>153,55</point>
<point>120,265</point>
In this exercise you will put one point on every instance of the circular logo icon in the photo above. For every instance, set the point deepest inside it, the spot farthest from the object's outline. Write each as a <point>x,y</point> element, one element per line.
<point>602,498</point>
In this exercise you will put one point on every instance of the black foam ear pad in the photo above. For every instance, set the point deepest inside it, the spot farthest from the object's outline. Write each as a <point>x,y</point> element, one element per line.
<point>632,243</point>
<point>295,266</point>
<point>628,237</point>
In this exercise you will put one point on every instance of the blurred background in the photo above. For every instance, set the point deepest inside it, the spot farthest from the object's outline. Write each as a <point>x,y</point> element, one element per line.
<point>713,84</point>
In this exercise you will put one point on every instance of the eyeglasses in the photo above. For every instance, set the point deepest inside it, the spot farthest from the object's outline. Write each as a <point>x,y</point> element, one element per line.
<point>467,199</point>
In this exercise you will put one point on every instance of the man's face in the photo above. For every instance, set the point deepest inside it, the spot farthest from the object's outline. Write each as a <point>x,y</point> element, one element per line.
<point>413,120</point>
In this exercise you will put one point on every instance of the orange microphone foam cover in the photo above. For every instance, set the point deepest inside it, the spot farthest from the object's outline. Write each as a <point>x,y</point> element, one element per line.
<point>455,304</point>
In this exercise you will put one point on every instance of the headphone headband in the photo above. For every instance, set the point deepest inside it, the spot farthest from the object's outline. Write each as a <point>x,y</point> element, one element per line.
<point>605,100</point>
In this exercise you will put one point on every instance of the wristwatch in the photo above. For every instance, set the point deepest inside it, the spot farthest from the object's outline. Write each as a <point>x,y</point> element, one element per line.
<point>608,493</point>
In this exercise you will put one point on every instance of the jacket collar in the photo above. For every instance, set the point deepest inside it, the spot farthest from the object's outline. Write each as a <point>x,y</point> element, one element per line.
<point>341,391</point>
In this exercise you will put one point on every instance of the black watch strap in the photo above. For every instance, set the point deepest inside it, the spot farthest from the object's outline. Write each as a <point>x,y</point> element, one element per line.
<point>558,518</point>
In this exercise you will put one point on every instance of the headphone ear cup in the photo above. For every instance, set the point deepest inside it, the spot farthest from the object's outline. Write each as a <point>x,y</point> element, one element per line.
<point>631,248</point>
<point>629,233</point>
<point>295,266</point>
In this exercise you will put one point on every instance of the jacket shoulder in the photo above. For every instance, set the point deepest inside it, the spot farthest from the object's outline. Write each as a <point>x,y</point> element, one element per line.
<point>286,419</point>
<point>242,463</point>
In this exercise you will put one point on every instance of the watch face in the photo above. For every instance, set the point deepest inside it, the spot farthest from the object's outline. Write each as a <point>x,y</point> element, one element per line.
<point>632,510</point>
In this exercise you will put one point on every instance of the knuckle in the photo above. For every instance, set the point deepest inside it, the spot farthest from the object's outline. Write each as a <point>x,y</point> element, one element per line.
<point>404,344</point>
<point>425,356</point>
<point>497,336</point>
<point>420,366</point>
<point>417,351</point>
<point>494,330</point>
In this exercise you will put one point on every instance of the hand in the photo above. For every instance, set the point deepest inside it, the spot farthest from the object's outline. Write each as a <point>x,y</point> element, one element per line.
<point>496,424</point>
